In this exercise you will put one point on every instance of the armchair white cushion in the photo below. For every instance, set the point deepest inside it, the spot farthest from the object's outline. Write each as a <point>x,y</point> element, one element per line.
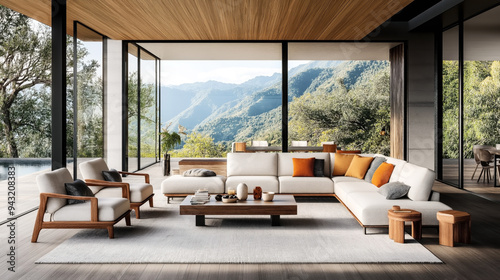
<point>110,209</point>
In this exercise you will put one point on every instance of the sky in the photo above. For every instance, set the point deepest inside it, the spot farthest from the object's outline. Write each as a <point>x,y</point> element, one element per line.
<point>176,72</point>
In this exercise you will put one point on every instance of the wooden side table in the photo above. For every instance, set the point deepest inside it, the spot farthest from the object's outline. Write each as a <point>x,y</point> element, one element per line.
<point>454,226</point>
<point>397,219</point>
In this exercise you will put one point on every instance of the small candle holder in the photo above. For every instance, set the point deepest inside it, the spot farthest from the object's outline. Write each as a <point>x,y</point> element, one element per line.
<point>257,193</point>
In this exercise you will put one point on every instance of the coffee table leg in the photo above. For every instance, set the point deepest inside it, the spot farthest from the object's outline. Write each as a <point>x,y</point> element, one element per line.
<point>275,220</point>
<point>200,220</point>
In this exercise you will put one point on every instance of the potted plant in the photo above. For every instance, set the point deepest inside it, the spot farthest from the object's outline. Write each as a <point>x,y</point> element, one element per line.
<point>168,142</point>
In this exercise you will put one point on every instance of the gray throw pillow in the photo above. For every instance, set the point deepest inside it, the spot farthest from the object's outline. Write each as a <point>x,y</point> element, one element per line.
<point>198,172</point>
<point>112,176</point>
<point>376,162</point>
<point>394,190</point>
<point>77,188</point>
<point>319,166</point>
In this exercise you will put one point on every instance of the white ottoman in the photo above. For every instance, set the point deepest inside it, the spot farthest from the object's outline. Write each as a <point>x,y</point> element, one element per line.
<point>178,185</point>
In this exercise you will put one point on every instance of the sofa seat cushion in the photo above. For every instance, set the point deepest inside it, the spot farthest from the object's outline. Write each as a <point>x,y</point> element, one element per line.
<point>340,179</point>
<point>344,188</point>
<point>138,192</point>
<point>109,209</point>
<point>289,184</point>
<point>178,184</point>
<point>371,208</point>
<point>267,183</point>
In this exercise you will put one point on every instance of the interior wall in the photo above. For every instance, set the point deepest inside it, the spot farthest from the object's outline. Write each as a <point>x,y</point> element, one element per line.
<point>421,100</point>
<point>113,106</point>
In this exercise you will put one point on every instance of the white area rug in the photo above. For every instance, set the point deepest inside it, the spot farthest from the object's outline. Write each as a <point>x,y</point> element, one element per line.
<point>320,233</point>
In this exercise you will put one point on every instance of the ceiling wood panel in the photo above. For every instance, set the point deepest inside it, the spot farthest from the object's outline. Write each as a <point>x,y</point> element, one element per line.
<point>221,19</point>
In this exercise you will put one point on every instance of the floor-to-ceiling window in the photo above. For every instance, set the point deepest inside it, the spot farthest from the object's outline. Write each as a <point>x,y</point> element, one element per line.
<point>451,104</point>
<point>481,92</point>
<point>132,94</point>
<point>142,99</point>
<point>214,94</point>
<point>339,92</point>
<point>148,91</point>
<point>85,101</point>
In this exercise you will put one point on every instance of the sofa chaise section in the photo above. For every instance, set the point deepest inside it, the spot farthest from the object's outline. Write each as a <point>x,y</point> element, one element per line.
<point>178,185</point>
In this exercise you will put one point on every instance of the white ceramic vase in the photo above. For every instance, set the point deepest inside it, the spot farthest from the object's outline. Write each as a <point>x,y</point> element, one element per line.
<point>242,191</point>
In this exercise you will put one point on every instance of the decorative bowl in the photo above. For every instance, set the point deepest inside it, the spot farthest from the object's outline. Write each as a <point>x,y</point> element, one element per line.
<point>229,200</point>
<point>268,196</point>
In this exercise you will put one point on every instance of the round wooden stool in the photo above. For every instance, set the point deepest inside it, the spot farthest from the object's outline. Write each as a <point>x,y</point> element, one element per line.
<point>397,219</point>
<point>454,226</point>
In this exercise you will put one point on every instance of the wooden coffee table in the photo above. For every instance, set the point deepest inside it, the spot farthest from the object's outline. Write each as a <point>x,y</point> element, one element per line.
<point>281,205</point>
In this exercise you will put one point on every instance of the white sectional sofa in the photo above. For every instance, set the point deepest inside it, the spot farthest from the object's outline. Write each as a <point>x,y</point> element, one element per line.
<point>273,172</point>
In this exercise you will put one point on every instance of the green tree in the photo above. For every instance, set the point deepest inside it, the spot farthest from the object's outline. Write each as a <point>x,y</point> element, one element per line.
<point>25,61</point>
<point>199,145</point>
<point>169,139</point>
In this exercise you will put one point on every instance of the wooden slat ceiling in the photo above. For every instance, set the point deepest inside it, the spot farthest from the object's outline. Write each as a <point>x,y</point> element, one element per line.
<point>221,19</point>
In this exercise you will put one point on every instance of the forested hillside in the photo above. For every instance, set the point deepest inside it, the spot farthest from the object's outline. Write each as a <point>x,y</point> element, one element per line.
<point>346,102</point>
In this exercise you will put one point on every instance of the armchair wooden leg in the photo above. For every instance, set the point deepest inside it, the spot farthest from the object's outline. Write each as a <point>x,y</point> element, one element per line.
<point>151,202</point>
<point>127,219</point>
<point>111,232</point>
<point>137,212</point>
<point>36,232</point>
<point>38,227</point>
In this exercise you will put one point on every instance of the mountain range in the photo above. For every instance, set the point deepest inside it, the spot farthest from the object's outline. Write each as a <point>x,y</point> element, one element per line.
<point>229,112</point>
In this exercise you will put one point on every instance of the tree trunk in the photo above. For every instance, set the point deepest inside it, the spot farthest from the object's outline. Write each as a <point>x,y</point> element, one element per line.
<point>9,135</point>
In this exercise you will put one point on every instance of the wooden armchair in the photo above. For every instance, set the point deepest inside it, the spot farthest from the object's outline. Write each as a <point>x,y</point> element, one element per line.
<point>97,213</point>
<point>137,193</point>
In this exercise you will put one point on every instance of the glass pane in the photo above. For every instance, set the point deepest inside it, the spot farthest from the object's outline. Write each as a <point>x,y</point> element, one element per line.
<point>213,103</point>
<point>481,95</point>
<point>132,108</point>
<point>25,123</point>
<point>450,107</point>
<point>148,109</point>
<point>341,101</point>
<point>89,131</point>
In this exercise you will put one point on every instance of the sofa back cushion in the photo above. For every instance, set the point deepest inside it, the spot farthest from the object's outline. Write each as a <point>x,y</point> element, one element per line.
<point>420,179</point>
<point>252,164</point>
<point>285,162</point>
<point>398,166</point>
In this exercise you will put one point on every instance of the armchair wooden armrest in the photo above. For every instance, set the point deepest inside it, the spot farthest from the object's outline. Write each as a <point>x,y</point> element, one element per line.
<point>100,183</point>
<point>94,214</point>
<point>146,176</point>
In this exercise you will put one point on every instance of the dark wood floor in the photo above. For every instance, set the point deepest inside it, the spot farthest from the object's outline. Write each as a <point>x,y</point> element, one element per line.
<point>479,260</point>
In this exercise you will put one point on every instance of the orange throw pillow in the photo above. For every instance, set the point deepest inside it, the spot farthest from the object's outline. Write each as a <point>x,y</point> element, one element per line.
<point>341,164</point>
<point>359,166</point>
<point>382,174</point>
<point>303,167</point>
